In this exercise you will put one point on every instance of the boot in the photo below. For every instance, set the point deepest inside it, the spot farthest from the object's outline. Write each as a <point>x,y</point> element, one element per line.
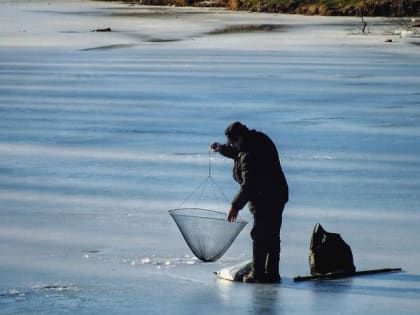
<point>257,273</point>
<point>272,275</point>
<point>272,265</point>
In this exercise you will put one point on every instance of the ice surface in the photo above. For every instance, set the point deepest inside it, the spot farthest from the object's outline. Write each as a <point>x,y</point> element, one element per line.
<point>102,133</point>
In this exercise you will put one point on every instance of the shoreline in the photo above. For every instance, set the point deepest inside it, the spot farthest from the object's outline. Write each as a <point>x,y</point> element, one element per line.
<point>192,27</point>
<point>368,8</point>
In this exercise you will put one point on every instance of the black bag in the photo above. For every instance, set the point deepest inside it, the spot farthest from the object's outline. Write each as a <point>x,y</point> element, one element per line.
<point>328,253</point>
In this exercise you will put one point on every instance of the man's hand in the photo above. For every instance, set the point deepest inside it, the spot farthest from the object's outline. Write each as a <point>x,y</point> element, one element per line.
<point>232,214</point>
<point>215,147</point>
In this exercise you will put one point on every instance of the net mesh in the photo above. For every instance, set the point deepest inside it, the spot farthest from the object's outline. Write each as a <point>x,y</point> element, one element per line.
<point>207,232</point>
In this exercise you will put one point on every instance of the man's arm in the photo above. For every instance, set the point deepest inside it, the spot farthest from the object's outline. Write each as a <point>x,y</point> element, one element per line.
<point>243,195</point>
<point>228,151</point>
<point>224,150</point>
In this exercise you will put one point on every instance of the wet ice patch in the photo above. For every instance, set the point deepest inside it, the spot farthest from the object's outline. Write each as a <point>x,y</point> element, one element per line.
<point>12,295</point>
<point>55,288</point>
<point>246,28</point>
<point>161,262</point>
<point>88,253</point>
<point>108,47</point>
<point>46,291</point>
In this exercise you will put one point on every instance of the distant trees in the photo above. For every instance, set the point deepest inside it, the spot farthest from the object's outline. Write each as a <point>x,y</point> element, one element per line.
<point>389,8</point>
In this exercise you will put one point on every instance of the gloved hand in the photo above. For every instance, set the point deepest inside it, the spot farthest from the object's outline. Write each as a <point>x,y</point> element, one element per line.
<point>232,214</point>
<point>215,147</point>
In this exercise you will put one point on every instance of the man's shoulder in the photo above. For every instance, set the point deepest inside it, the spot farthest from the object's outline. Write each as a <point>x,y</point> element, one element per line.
<point>260,139</point>
<point>258,135</point>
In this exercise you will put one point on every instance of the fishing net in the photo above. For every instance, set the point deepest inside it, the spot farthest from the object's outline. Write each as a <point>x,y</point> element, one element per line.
<point>206,231</point>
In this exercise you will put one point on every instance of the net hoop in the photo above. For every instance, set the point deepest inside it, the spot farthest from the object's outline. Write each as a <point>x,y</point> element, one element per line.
<point>222,216</point>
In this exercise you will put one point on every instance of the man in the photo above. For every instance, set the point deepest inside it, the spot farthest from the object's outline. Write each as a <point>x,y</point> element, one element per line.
<point>263,186</point>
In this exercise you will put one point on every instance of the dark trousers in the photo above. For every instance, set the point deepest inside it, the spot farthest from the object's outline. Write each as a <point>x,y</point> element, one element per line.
<point>265,234</point>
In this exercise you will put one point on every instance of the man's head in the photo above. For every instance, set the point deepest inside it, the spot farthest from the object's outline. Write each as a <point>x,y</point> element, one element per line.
<point>236,134</point>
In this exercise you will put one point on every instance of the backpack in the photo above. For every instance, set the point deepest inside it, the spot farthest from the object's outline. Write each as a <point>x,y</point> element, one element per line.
<point>328,253</point>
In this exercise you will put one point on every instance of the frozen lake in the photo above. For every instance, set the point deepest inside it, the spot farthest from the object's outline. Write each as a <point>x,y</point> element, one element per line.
<point>101,133</point>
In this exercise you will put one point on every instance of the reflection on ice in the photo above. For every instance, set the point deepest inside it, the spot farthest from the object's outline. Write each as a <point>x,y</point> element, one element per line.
<point>388,285</point>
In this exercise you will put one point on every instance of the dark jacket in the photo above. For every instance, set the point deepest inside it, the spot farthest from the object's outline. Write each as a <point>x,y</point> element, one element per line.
<point>258,171</point>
